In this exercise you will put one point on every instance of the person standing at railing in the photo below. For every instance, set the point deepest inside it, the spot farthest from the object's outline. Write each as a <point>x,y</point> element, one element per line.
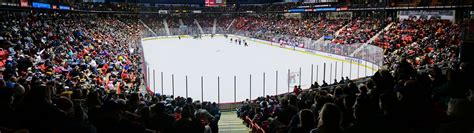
<point>324,84</point>
<point>315,85</point>
<point>204,117</point>
<point>214,111</point>
<point>297,90</point>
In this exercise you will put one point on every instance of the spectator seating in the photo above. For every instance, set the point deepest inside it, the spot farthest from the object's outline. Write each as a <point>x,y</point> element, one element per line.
<point>421,41</point>
<point>69,72</point>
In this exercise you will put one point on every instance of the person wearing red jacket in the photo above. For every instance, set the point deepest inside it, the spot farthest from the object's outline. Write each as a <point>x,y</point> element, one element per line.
<point>297,90</point>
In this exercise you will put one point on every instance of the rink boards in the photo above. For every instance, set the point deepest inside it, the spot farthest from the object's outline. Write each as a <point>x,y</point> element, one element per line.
<point>346,59</point>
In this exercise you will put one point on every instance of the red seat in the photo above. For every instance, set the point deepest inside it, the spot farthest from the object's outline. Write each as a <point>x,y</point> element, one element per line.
<point>3,53</point>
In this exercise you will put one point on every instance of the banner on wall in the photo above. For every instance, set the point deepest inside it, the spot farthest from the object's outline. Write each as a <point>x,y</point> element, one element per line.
<point>318,9</point>
<point>328,37</point>
<point>64,8</point>
<point>442,14</point>
<point>339,15</point>
<point>292,15</point>
<point>40,5</point>
<point>162,11</point>
<point>319,1</point>
<point>296,10</point>
<point>214,3</point>
<point>326,9</point>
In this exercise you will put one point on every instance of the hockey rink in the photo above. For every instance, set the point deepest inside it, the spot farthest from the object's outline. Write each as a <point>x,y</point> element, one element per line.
<point>255,68</point>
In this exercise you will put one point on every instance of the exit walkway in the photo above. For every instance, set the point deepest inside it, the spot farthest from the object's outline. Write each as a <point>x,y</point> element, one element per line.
<point>229,123</point>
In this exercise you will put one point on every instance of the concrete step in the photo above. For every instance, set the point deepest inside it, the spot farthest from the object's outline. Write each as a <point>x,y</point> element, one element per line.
<point>229,123</point>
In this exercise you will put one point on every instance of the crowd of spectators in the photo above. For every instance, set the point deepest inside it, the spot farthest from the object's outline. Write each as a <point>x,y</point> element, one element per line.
<point>65,48</point>
<point>188,26</point>
<point>181,25</point>
<point>281,28</point>
<point>266,7</point>
<point>359,30</point>
<point>223,23</point>
<point>427,41</point>
<point>92,6</point>
<point>67,72</point>
<point>401,102</point>
<point>206,23</point>
<point>174,25</point>
<point>155,24</point>
<point>421,41</point>
<point>269,27</point>
<point>246,7</point>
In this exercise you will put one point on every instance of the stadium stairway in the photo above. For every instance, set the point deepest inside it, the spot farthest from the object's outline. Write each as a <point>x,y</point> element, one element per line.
<point>230,123</point>
<point>230,25</point>
<point>338,31</point>
<point>214,25</point>
<point>148,28</point>
<point>372,39</point>
<point>167,29</point>
<point>380,32</point>
<point>199,26</point>
<point>320,40</point>
<point>181,23</point>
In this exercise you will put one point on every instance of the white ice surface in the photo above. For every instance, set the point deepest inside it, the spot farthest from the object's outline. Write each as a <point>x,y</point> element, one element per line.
<point>218,57</point>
